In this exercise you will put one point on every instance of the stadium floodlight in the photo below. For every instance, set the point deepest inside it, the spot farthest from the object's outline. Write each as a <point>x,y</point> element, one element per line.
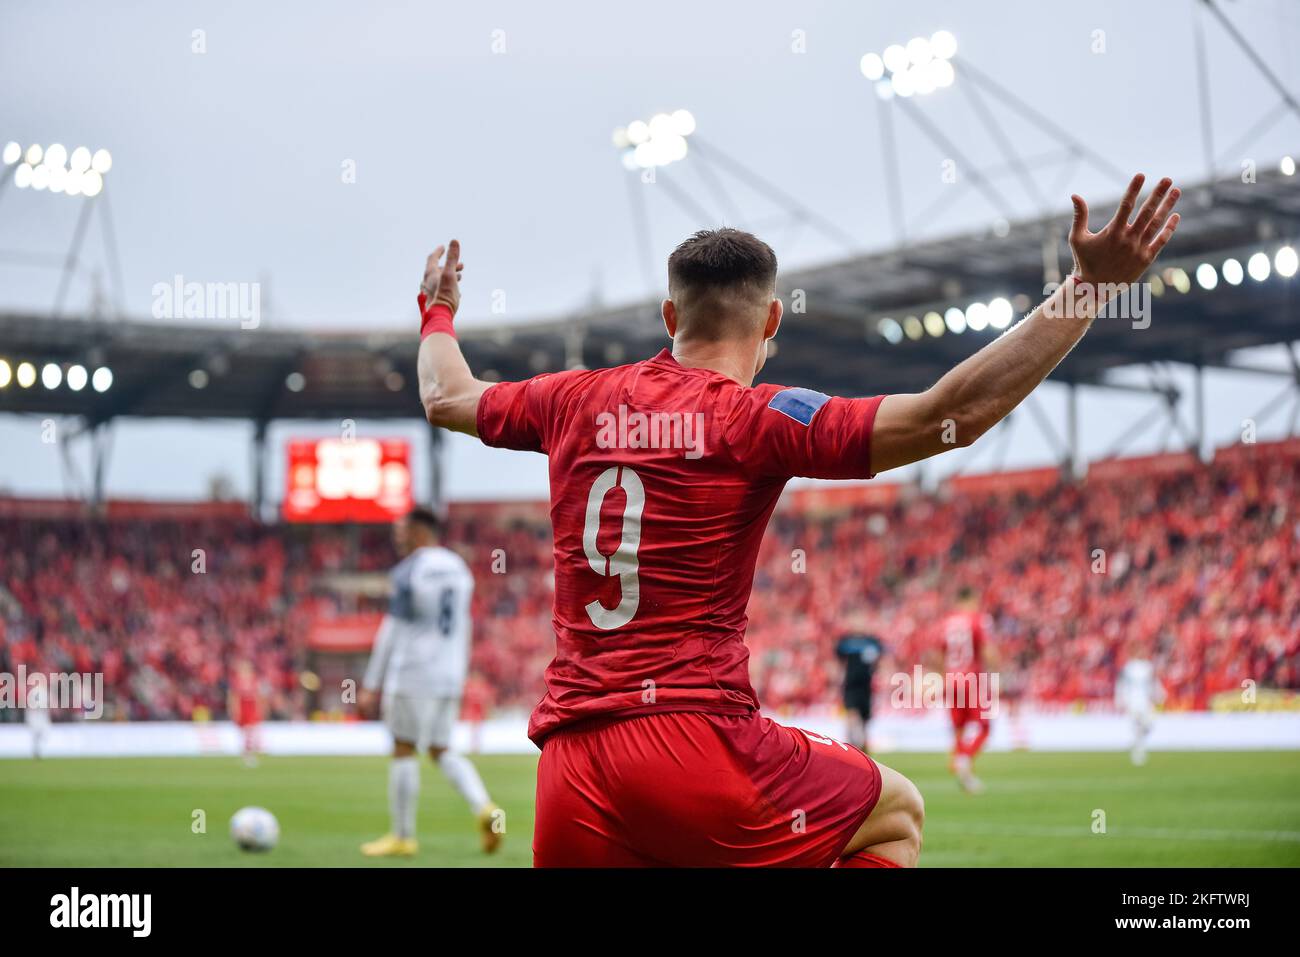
<point>1178,278</point>
<point>1285,262</point>
<point>912,328</point>
<point>933,324</point>
<point>1257,267</point>
<point>1000,313</point>
<point>657,142</point>
<point>890,330</point>
<point>77,377</point>
<point>903,83</point>
<point>295,382</point>
<point>1287,166</point>
<point>916,68</point>
<point>26,375</point>
<point>80,173</point>
<point>198,378</point>
<point>1232,272</point>
<point>895,58</point>
<point>1206,276</point>
<point>871,65</point>
<point>6,374</point>
<point>51,375</point>
<point>944,45</point>
<point>977,316</point>
<point>102,379</point>
<point>955,320</point>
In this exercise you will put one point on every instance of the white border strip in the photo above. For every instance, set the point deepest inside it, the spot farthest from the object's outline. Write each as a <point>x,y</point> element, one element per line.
<point>931,732</point>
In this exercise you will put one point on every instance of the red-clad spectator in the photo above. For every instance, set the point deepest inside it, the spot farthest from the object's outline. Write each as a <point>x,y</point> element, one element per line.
<point>1200,565</point>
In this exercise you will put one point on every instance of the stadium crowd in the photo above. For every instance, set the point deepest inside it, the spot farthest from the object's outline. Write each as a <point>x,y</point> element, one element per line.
<point>1198,568</point>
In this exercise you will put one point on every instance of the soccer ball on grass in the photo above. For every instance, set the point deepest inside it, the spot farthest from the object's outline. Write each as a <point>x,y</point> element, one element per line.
<point>254,829</point>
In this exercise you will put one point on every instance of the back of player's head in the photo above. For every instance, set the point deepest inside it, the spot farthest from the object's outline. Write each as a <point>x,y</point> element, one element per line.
<point>966,594</point>
<point>424,518</point>
<point>721,282</point>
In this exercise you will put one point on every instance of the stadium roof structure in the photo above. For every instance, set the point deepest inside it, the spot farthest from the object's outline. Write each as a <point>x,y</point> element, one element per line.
<point>836,337</point>
<point>831,340</point>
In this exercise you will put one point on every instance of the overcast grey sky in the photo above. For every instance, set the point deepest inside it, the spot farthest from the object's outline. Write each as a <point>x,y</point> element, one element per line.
<point>492,121</point>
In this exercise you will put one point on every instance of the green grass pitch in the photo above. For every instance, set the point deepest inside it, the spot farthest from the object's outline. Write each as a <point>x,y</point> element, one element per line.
<point>1181,809</point>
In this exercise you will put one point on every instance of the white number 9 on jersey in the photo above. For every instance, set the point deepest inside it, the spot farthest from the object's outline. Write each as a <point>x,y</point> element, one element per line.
<point>623,562</point>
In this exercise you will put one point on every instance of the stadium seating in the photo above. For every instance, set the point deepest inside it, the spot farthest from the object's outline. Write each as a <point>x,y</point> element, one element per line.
<point>1198,565</point>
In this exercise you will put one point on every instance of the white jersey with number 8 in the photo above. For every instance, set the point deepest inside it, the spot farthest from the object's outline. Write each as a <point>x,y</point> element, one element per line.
<point>422,648</point>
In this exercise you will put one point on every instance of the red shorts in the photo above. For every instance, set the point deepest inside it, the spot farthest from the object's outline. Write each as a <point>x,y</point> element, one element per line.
<point>688,789</point>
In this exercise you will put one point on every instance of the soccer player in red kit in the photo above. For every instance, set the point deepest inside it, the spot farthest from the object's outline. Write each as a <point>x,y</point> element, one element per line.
<point>245,707</point>
<point>663,476</point>
<point>968,658</point>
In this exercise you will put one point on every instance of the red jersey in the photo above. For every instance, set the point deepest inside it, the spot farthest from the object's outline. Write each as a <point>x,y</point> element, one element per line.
<point>965,640</point>
<point>663,478</point>
<point>248,702</point>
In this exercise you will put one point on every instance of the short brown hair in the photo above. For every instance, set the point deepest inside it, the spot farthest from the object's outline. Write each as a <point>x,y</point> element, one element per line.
<point>716,269</point>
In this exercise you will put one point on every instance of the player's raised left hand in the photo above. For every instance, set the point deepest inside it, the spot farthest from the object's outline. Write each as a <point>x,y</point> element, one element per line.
<point>1121,251</point>
<point>441,281</point>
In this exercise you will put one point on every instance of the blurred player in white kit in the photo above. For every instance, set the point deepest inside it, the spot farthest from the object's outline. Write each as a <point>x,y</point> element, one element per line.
<point>419,662</point>
<point>37,717</point>
<point>1137,692</point>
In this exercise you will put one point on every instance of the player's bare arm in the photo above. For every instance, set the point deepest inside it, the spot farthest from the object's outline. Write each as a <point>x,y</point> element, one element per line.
<point>448,390</point>
<point>982,390</point>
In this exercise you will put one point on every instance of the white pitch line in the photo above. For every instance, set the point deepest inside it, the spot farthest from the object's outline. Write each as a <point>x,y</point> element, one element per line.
<point>1084,830</point>
<point>1004,786</point>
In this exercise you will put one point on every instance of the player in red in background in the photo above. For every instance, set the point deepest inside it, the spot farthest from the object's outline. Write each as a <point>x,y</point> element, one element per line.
<point>664,474</point>
<point>245,708</point>
<point>968,659</point>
